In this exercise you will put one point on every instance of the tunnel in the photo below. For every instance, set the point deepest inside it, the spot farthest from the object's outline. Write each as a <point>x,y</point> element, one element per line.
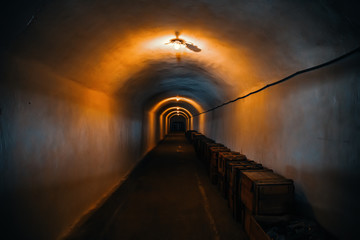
<point>90,88</point>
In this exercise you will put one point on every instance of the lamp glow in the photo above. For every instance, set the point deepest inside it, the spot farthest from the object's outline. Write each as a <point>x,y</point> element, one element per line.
<point>176,45</point>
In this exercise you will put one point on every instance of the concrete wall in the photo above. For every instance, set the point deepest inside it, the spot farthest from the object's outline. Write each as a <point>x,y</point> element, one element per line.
<point>65,145</point>
<point>63,149</point>
<point>307,129</point>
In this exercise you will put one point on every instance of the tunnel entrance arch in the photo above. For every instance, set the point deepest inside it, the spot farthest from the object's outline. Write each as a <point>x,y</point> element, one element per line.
<point>167,114</point>
<point>172,114</point>
<point>155,130</point>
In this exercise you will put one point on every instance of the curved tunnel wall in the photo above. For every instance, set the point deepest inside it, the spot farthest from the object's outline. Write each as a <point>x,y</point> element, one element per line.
<point>79,83</point>
<point>60,151</point>
<point>305,130</point>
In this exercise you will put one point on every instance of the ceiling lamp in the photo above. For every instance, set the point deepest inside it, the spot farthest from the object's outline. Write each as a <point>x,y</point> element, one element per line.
<point>178,43</point>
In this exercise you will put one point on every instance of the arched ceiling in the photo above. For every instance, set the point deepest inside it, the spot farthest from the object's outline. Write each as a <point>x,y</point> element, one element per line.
<point>192,110</point>
<point>166,79</point>
<point>167,110</point>
<point>173,113</point>
<point>118,46</point>
<point>177,117</point>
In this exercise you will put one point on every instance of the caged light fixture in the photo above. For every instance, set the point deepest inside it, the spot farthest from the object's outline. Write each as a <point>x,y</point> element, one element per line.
<point>179,43</point>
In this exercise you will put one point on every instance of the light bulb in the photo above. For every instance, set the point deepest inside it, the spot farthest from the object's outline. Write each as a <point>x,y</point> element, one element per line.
<point>176,45</point>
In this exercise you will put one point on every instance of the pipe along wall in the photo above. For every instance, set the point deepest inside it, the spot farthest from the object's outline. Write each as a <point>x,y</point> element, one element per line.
<point>86,87</point>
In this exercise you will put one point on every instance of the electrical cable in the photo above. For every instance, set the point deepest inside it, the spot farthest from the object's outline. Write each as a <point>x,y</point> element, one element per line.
<point>285,79</point>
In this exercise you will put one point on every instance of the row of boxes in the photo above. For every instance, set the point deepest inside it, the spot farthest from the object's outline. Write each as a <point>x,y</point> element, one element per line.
<point>252,190</point>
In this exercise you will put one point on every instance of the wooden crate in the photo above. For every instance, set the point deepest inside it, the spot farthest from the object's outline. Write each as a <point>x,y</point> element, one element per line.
<point>268,227</point>
<point>221,184</point>
<point>234,183</point>
<point>207,154</point>
<point>196,140</point>
<point>193,136</point>
<point>239,164</point>
<point>252,227</point>
<point>213,171</point>
<point>235,158</point>
<point>225,156</point>
<point>202,142</point>
<point>222,159</point>
<point>200,145</point>
<point>214,154</point>
<point>204,148</point>
<point>237,194</point>
<point>266,193</point>
<point>188,134</point>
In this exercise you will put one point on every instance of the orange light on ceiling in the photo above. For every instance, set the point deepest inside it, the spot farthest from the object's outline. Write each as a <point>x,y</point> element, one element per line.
<point>200,124</point>
<point>176,112</point>
<point>187,100</point>
<point>178,109</point>
<point>171,114</point>
<point>166,111</point>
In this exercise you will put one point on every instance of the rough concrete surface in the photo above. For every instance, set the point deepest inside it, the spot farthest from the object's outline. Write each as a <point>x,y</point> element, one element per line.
<point>79,80</point>
<point>168,196</point>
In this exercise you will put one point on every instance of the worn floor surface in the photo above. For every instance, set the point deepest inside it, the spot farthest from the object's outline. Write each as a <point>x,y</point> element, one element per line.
<point>167,196</point>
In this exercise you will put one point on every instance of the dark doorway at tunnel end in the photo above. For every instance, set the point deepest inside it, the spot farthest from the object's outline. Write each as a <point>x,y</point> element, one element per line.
<point>177,124</point>
<point>177,127</point>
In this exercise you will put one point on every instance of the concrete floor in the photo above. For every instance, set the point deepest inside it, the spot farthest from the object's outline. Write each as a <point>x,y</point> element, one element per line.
<point>168,196</point>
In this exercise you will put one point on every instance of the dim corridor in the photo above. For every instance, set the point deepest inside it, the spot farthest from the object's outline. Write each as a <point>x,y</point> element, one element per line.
<point>167,196</point>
